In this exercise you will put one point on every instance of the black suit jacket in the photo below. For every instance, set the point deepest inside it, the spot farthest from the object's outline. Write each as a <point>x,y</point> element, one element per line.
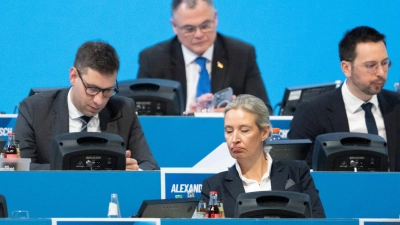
<point>240,70</point>
<point>44,115</point>
<point>229,185</point>
<point>327,114</point>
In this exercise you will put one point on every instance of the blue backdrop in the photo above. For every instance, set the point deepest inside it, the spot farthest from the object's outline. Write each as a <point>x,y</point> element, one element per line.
<point>296,41</point>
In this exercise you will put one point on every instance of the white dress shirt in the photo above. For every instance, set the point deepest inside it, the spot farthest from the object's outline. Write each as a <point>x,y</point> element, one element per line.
<point>253,185</point>
<point>193,71</point>
<point>356,115</point>
<point>75,124</point>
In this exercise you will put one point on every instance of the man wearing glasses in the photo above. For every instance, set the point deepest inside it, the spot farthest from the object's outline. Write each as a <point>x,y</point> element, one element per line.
<point>360,104</point>
<point>89,105</point>
<point>229,62</point>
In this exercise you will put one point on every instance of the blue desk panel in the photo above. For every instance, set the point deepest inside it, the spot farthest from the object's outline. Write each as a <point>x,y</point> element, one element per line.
<point>25,222</point>
<point>77,194</point>
<point>359,195</point>
<point>87,194</point>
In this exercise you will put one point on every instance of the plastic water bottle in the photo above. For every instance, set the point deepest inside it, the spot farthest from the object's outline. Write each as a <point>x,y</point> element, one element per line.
<point>113,207</point>
<point>275,135</point>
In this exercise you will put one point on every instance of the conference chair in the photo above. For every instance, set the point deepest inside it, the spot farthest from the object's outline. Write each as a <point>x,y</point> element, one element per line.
<point>3,207</point>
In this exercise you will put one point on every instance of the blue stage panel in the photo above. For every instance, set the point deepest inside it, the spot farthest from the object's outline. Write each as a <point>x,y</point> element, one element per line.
<point>77,194</point>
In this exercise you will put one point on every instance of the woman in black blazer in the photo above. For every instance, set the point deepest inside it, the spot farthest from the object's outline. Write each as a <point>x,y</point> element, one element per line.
<point>247,126</point>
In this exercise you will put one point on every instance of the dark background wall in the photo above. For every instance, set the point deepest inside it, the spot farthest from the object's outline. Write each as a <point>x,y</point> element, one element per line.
<point>296,41</point>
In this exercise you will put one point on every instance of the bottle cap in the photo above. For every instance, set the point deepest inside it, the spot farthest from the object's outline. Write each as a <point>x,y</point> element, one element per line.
<point>276,130</point>
<point>213,192</point>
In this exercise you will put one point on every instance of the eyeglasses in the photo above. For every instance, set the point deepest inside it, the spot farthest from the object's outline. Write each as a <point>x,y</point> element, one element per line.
<point>205,27</point>
<point>372,67</point>
<point>93,91</point>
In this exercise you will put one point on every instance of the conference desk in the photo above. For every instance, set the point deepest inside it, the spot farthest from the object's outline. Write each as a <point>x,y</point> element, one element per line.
<point>49,194</point>
<point>200,222</point>
<point>175,141</point>
<point>181,142</point>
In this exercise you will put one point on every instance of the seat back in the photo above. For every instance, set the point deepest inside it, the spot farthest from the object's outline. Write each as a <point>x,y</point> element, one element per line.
<point>3,207</point>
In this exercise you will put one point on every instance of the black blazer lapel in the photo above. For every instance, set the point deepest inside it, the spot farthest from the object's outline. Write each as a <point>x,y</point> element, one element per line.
<point>60,115</point>
<point>178,71</point>
<point>279,176</point>
<point>219,66</point>
<point>337,112</point>
<point>233,183</point>
<point>108,118</point>
<point>390,118</point>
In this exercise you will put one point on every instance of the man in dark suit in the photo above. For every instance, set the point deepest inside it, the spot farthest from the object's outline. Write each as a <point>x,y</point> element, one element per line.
<point>365,62</point>
<point>231,63</point>
<point>93,80</point>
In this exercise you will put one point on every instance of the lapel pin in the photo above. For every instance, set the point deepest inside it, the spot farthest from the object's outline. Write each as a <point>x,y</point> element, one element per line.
<point>220,65</point>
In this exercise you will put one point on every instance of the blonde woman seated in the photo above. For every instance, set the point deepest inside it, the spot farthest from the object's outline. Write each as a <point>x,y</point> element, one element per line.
<point>247,125</point>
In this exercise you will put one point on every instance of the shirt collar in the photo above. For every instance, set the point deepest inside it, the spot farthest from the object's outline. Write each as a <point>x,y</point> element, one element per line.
<point>189,56</point>
<point>73,112</point>
<point>352,103</point>
<point>267,174</point>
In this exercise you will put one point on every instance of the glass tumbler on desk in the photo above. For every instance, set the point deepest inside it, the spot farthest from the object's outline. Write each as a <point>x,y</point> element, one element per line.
<point>221,209</point>
<point>201,209</point>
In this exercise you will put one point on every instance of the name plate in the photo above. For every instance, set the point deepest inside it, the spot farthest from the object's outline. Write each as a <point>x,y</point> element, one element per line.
<point>180,181</point>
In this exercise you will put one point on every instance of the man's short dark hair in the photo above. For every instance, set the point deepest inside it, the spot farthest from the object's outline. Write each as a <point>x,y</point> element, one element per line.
<point>362,34</point>
<point>190,3</point>
<point>99,56</point>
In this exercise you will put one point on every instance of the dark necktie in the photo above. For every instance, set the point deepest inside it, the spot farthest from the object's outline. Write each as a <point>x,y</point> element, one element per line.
<point>369,118</point>
<point>203,84</point>
<point>85,120</point>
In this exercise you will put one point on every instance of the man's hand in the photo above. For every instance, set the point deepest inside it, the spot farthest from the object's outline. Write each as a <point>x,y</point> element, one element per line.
<point>193,106</point>
<point>200,102</point>
<point>131,164</point>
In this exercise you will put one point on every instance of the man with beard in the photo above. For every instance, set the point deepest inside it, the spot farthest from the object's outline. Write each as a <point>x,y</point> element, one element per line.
<point>365,63</point>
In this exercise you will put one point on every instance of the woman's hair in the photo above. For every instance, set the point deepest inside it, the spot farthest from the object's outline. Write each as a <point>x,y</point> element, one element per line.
<point>253,105</point>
